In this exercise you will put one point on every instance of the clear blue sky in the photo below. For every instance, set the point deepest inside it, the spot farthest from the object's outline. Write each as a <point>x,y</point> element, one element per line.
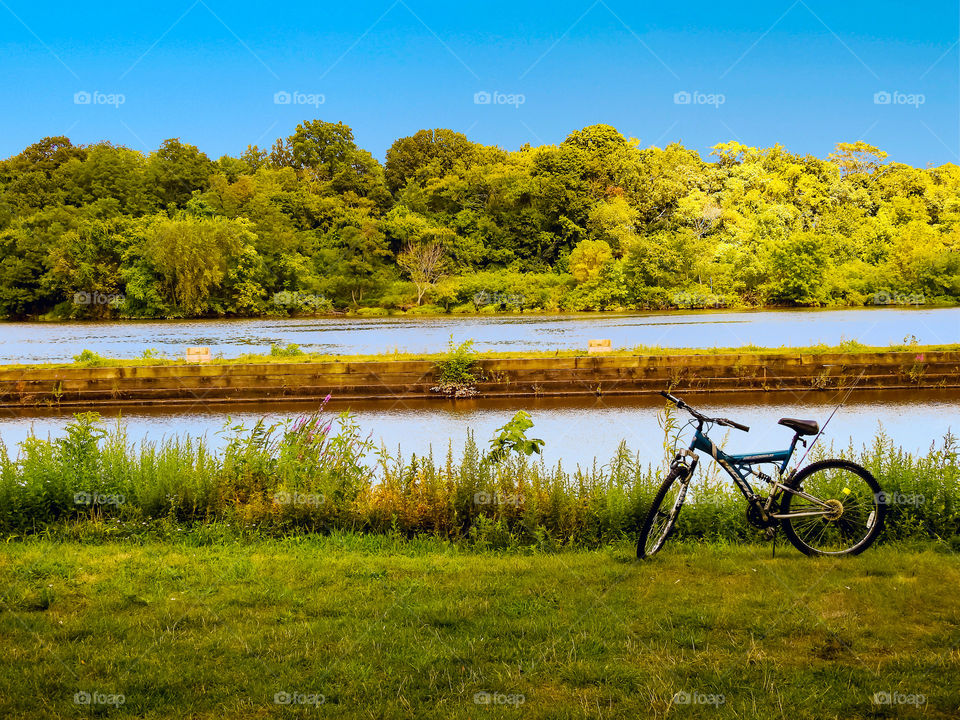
<point>802,73</point>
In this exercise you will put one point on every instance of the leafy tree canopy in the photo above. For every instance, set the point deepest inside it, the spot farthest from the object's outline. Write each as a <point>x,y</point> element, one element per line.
<point>315,222</point>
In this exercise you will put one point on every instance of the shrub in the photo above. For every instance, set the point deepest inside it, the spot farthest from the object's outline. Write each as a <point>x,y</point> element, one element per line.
<point>88,358</point>
<point>457,371</point>
<point>513,437</point>
<point>291,350</point>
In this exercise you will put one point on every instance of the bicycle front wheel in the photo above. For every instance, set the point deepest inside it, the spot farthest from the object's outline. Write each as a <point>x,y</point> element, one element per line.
<point>839,509</point>
<point>662,517</point>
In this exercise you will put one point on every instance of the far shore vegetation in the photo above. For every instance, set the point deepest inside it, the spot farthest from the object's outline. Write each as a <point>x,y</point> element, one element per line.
<point>315,224</point>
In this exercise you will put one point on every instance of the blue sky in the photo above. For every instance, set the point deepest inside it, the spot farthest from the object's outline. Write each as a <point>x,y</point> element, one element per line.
<point>804,73</point>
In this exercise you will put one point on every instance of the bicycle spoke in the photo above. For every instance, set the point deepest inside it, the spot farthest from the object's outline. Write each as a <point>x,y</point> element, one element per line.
<point>850,500</point>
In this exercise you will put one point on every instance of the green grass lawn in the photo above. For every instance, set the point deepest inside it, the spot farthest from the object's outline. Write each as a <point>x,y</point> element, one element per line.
<point>363,627</point>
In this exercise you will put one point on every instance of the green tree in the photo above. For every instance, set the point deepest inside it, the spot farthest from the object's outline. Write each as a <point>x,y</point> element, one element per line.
<point>797,269</point>
<point>85,266</point>
<point>427,155</point>
<point>326,152</point>
<point>594,222</point>
<point>175,171</point>
<point>109,178</point>
<point>353,261</point>
<point>191,257</point>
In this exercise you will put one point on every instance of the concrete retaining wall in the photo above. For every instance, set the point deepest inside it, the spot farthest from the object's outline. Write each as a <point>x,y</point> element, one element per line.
<point>513,377</point>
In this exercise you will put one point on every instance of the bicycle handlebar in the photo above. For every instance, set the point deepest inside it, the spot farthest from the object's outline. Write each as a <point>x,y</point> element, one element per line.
<point>700,416</point>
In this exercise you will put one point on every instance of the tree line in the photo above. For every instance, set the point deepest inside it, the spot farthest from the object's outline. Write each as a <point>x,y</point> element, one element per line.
<point>316,224</point>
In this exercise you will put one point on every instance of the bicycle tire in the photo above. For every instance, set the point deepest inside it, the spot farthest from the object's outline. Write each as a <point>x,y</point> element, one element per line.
<point>644,549</point>
<point>868,517</point>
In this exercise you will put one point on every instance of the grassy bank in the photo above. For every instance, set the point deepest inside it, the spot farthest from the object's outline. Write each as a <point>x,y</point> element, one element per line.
<point>319,473</point>
<point>293,354</point>
<point>354,626</point>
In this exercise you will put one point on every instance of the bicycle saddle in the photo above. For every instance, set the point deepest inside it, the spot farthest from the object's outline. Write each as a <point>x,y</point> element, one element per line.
<point>803,427</point>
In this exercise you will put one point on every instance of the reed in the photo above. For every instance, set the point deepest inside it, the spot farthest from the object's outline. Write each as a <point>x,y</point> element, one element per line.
<point>320,473</point>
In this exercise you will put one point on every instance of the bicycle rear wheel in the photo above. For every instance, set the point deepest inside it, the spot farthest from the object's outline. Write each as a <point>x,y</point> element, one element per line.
<point>845,504</point>
<point>662,517</point>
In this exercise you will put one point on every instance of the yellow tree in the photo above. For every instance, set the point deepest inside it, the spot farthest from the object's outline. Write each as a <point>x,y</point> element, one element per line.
<point>858,157</point>
<point>615,222</point>
<point>588,258</point>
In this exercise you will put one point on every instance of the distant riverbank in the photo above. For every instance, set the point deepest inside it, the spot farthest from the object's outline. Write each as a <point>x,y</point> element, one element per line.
<point>430,311</point>
<point>412,336</point>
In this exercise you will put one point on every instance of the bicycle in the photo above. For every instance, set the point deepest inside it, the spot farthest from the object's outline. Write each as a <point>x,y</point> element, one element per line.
<point>845,523</point>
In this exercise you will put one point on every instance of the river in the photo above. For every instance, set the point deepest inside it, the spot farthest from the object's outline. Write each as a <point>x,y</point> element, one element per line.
<point>575,430</point>
<point>59,342</point>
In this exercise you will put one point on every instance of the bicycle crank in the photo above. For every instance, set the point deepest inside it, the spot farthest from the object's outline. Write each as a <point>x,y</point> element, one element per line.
<point>757,518</point>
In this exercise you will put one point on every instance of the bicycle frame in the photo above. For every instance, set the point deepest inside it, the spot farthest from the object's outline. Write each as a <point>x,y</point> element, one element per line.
<point>738,467</point>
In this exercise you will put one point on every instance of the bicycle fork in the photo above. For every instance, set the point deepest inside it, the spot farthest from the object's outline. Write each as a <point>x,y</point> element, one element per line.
<point>688,469</point>
<point>685,470</point>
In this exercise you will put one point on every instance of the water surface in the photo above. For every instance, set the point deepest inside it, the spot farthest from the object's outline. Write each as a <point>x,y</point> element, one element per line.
<point>59,342</point>
<point>576,430</point>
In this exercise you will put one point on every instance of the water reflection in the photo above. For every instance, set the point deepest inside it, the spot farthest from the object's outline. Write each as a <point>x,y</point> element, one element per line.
<point>576,430</point>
